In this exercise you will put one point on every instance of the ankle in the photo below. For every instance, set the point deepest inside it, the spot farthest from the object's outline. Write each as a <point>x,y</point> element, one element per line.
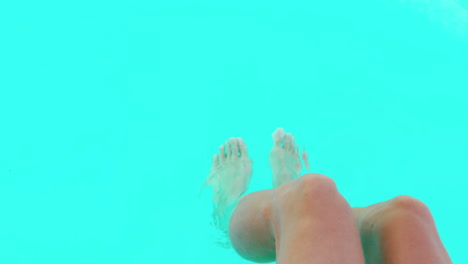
<point>281,177</point>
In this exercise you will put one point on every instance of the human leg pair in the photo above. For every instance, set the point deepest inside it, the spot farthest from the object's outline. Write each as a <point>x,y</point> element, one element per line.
<point>306,219</point>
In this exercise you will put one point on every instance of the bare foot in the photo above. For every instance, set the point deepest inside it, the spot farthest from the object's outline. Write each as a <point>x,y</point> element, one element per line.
<point>229,177</point>
<point>284,158</point>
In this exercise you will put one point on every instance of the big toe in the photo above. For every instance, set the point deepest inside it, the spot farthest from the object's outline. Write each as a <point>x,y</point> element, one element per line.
<point>242,148</point>
<point>234,148</point>
<point>278,136</point>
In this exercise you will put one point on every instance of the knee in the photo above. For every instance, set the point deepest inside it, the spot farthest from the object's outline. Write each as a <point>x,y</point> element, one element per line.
<point>309,188</point>
<point>402,213</point>
<point>410,206</point>
<point>316,184</point>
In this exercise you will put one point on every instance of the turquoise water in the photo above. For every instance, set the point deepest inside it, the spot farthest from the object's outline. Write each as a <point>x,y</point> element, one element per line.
<point>111,112</point>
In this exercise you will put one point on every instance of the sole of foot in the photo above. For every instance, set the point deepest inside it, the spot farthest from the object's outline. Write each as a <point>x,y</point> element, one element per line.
<point>230,176</point>
<point>284,158</point>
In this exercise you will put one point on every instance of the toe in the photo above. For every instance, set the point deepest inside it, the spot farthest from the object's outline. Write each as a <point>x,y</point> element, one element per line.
<point>222,154</point>
<point>215,160</point>
<point>234,148</point>
<point>287,142</point>
<point>305,157</point>
<point>242,147</point>
<point>278,136</point>
<point>228,149</point>
<point>292,148</point>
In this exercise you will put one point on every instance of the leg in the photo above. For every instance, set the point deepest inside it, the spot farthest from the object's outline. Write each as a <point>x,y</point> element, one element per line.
<point>286,221</point>
<point>250,229</point>
<point>303,221</point>
<point>401,230</point>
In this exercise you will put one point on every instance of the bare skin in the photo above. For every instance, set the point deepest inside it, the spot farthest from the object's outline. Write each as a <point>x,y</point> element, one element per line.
<point>306,220</point>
